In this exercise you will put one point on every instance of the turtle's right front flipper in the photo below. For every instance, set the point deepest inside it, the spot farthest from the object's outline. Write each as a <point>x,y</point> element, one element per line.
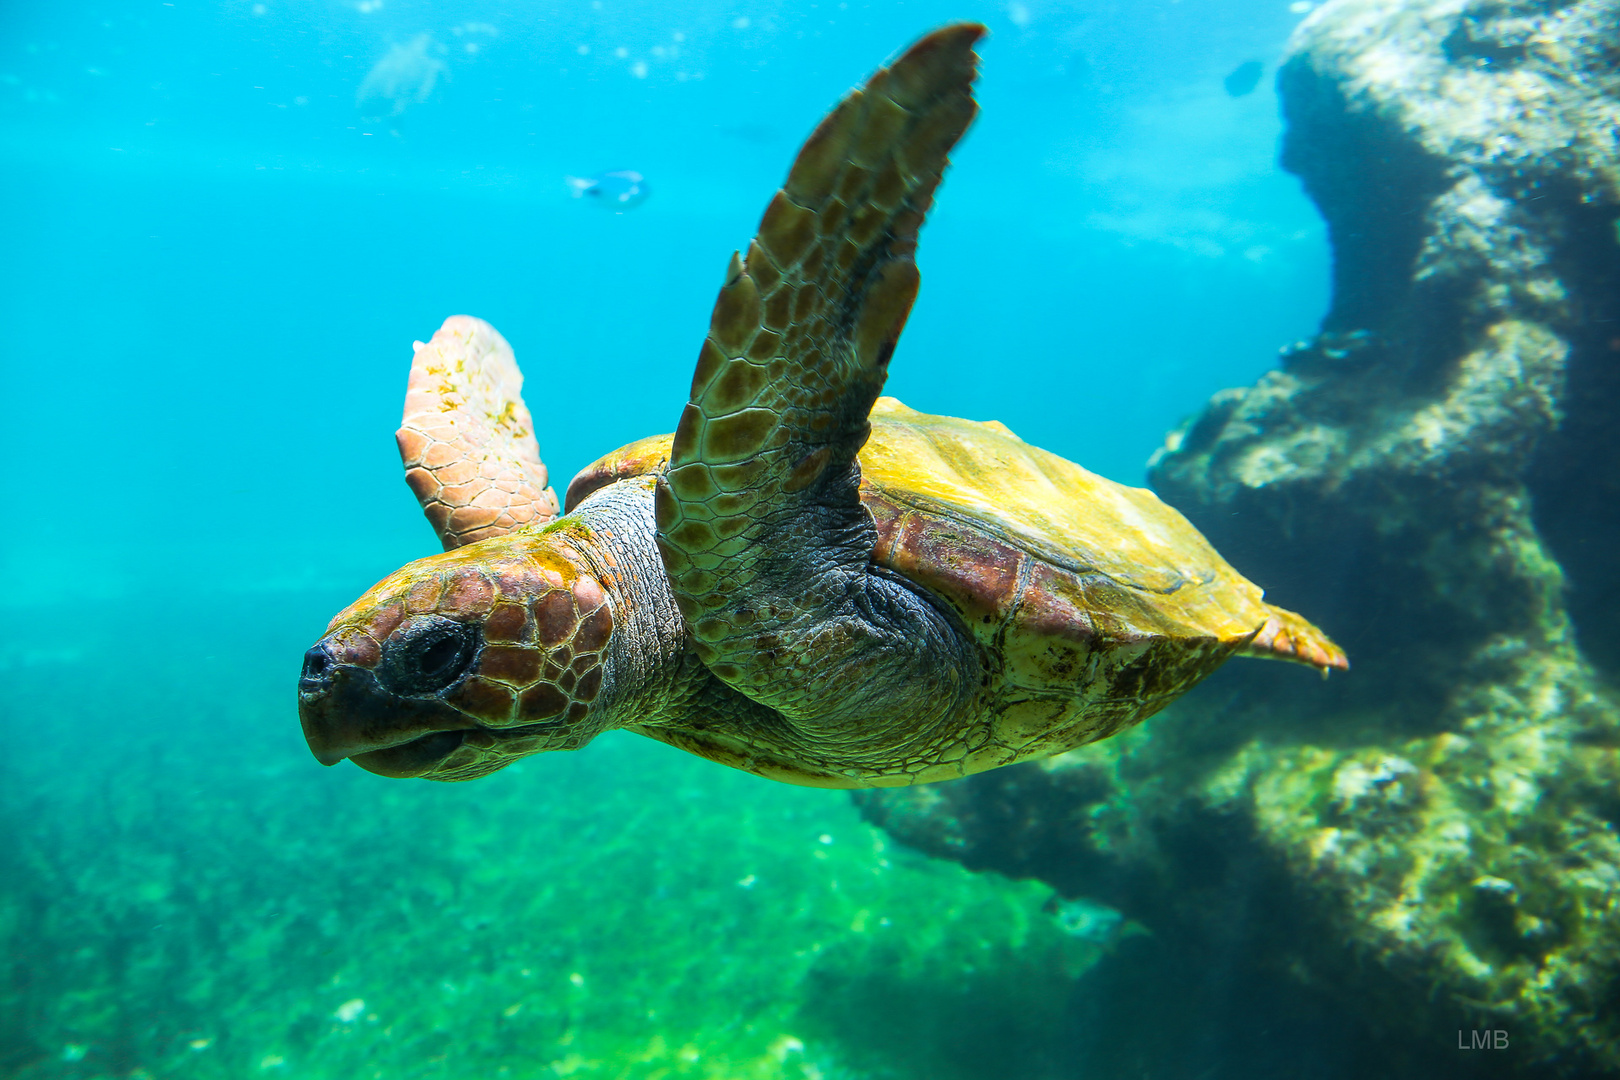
<point>759,517</point>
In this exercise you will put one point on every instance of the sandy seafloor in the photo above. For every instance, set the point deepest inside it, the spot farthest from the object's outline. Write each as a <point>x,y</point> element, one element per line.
<point>216,257</point>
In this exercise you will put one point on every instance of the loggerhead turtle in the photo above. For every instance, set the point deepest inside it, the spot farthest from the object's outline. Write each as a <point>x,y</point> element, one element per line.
<point>807,581</point>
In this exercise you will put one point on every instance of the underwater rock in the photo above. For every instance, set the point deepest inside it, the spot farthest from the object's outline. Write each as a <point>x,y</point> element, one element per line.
<point>1429,846</point>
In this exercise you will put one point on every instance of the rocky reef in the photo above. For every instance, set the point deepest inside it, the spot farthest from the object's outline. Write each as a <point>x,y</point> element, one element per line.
<point>1352,879</point>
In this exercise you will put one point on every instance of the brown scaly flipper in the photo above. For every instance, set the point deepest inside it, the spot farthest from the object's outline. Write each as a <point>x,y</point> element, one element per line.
<point>467,440</point>
<point>760,524</point>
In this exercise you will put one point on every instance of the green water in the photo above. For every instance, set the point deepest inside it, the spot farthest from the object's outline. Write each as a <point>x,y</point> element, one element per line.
<point>213,904</point>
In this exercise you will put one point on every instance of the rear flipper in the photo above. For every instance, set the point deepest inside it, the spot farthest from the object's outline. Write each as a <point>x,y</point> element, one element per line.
<point>1287,636</point>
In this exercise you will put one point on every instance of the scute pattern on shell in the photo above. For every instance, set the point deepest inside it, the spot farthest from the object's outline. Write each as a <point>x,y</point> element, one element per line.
<point>1072,658</point>
<point>1165,578</point>
<point>467,440</point>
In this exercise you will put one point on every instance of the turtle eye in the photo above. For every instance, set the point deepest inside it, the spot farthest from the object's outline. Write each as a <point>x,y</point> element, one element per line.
<point>428,655</point>
<point>439,657</point>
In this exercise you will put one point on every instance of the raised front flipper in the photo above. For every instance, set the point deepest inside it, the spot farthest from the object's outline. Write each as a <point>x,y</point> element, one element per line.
<point>467,440</point>
<point>760,522</point>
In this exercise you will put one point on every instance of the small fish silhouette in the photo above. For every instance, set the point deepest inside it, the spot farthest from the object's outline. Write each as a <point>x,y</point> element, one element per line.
<point>1244,78</point>
<point>619,190</point>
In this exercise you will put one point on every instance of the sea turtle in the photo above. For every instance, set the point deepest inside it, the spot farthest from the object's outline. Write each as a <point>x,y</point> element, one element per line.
<point>806,580</point>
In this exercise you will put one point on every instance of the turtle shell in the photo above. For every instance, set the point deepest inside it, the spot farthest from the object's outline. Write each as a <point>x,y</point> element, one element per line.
<point>1094,604</point>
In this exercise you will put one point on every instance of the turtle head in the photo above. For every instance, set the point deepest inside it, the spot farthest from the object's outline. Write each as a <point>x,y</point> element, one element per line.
<point>461,663</point>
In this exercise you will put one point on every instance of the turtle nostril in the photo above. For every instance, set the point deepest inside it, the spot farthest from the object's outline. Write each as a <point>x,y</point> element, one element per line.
<point>317,665</point>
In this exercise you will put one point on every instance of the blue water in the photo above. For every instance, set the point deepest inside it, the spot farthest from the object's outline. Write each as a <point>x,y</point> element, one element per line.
<point>216,257</point>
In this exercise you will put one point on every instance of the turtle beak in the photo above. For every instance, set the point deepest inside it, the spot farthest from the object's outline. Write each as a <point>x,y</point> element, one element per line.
<point>345,713</point>
<point>315,686</point>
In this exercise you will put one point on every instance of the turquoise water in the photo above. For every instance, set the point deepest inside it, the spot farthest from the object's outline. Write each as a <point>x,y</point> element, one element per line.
<point>221,239</point>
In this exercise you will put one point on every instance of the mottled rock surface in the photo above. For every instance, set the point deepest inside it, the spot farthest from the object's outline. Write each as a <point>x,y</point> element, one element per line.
<point>1430,843</point>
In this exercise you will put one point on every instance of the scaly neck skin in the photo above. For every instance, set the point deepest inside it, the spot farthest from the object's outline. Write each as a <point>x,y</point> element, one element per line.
<point>649,668</point>
<point>654,683</point>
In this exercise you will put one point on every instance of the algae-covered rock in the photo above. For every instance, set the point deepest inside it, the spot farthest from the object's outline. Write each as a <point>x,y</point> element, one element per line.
<point>1429,845</point>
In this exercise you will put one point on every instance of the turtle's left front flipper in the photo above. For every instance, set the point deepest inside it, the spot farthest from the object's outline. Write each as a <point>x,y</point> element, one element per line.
<point>467,440</point>
<point>759,518</point>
